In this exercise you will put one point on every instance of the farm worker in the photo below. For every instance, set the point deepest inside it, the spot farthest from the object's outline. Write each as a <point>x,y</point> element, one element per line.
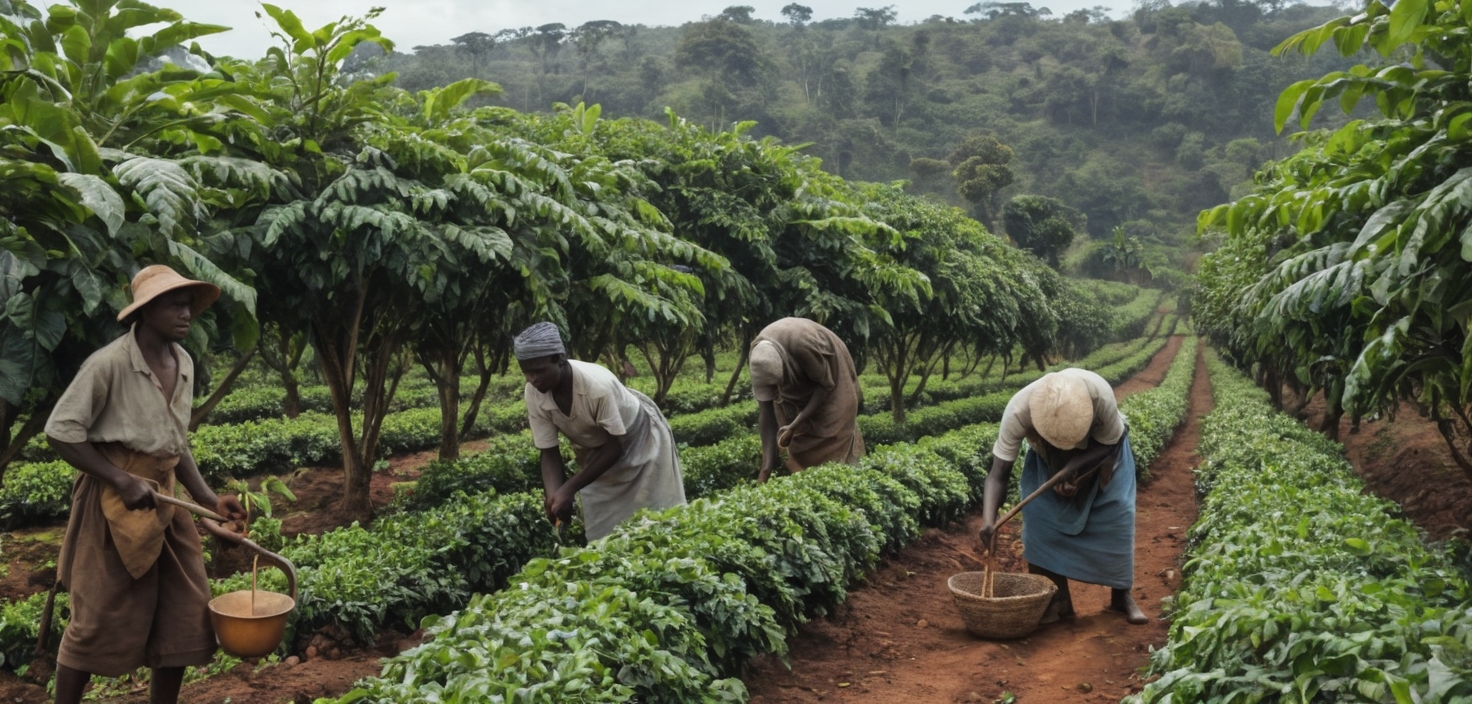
<point>622,442</point>
<point>134,568</point>
<point>1084,529</point>
<point>807,393</point>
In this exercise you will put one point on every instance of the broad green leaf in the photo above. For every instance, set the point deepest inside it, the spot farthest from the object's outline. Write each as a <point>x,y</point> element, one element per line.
<point>1288,102</point>
<point>1405,17</point>
<point>99,197</point>
<point>288,22</point>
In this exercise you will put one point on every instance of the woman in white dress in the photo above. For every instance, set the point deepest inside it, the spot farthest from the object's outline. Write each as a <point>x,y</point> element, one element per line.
<point>622,442</point>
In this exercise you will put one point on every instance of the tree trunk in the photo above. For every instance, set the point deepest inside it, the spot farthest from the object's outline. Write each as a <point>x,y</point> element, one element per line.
<point>740,365</point>
<point>449,393</point>
<point>708,354</point>
<point>222,389</point>
<point>898,374</point>
<point>336,373</point>
<point>32,427</point>
<point>484,371</point>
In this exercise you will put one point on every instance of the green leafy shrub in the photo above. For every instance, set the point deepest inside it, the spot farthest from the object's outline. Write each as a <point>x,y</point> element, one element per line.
<point>1301,586</point>
<point>35,492</point>
<point>20,628</point>
<point>1154,415</point>
<point>714,425</point>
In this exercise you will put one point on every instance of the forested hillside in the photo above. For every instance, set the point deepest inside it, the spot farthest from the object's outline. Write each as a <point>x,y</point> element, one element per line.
<point>1138,122</point>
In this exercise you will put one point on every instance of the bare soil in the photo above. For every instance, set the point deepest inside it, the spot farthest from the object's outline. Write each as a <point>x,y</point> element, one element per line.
<point>899,639</point>
<point>1407,461</point>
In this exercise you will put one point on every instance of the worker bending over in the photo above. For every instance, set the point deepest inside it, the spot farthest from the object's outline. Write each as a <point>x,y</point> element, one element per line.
<point>622,442</point>
<point>1084,529</point>
<point>135,568</point>
<point>807,393</point>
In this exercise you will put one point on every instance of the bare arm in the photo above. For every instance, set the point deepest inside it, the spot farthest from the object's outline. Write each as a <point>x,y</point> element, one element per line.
<point>554,470</point>
<point>816,401</point>
<point>560,499</point>
<point>84,456</point>
<point>992,496</point>
<point>600,460</point>
<point>766,425</point>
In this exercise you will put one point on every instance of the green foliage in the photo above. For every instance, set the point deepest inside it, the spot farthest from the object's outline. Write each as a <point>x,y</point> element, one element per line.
<point>1041,225</point>
<point>1154,415</point>
<point>1342,271</point>
<point>35,492</point>
<point>20,627</point>
<point>1077,97</point>
<point>1301,584</point>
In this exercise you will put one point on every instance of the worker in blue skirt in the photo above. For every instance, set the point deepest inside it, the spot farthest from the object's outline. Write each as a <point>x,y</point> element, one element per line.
<point>1084,529</point>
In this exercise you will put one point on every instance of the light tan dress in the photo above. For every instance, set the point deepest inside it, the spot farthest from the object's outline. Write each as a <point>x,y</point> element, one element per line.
<point>647,476</point>
<point>812,357</point>
<point>138,588</point>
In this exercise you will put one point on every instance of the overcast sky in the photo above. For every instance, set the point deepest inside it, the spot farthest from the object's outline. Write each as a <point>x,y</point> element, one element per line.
<point>414,22</point>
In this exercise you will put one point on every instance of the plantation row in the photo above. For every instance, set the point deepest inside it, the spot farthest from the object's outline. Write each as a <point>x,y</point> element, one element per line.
<point>1301,586</point>
<point>41,490</point>
<point>669,607</point>
<point>325,202</point>
<point>1134,310</point>
<point>469,524</point>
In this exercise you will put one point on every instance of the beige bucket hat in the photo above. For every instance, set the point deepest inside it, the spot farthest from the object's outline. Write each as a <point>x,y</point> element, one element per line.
<point>766,370</point>
<point>1062,411</point>
<point>156,280</point>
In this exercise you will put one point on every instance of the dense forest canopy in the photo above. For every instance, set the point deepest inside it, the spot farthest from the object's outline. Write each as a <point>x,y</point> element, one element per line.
<point>1136,122</point>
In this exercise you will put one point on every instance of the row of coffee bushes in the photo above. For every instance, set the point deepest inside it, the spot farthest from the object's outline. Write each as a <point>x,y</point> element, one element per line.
<point>1166,403</point>
<point>669,607</point>
<point>1300,586</point>
<point>881,428</point>
<point>357,581</point>
<point>728,451</point>
<point>1131,319</point>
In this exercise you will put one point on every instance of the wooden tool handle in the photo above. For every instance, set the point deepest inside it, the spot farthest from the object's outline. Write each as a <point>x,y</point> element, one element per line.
<point>1053,480</point>
<point>191,507</point>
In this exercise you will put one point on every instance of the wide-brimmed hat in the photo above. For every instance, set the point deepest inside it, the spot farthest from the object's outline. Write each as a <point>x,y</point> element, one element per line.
<point>1062,411</point>
<point>766,370</point>
<point>156,280</point>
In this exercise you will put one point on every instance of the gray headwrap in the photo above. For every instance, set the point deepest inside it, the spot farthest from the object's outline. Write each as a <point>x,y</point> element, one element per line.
<point>537,341</point>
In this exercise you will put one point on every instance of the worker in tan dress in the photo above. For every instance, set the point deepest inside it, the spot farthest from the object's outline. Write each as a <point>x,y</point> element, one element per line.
<point>808,398</point>
<point>134,567</point>
<point>623,444</point>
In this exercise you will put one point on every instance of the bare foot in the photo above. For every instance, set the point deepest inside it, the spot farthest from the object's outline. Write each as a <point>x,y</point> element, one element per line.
<point>1121,601</point>
<point>1059,609</point>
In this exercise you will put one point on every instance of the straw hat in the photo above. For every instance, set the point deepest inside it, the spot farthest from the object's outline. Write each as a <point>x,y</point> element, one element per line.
<point>154,281</point>
<point>766,370</point>
<point>1062,411</point>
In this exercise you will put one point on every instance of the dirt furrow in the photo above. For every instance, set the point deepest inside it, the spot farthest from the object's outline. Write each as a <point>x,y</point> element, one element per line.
<point>899,639</point>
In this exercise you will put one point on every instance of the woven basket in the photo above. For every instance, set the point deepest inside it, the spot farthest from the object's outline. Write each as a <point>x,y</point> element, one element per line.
<point>1014,610</point>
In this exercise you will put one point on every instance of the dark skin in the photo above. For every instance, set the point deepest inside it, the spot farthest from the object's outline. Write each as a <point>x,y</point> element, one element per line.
<point>1095,455</point>
<point>553,374</point>
<point>774,437</point>
<point>165,320</point>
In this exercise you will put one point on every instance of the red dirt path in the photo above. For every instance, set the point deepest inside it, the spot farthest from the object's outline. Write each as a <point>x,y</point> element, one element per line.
<point>1406,460</point>
<point>899,639</point>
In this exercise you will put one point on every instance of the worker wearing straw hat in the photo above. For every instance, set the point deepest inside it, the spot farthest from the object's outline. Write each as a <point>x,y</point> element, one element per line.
<point>1084,529</point>
<point>135,568</point>
<point>623,444</point>
<point>807,393</point>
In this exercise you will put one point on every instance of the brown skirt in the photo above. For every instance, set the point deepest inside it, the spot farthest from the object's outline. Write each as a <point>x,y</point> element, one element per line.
<point>118,623</point>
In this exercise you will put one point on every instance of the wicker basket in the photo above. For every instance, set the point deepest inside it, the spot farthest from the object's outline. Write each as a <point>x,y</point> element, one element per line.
<point>1014,610</point>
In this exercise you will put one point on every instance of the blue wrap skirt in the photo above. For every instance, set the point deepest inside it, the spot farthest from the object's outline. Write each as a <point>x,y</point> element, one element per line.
<point>1084,538</point>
